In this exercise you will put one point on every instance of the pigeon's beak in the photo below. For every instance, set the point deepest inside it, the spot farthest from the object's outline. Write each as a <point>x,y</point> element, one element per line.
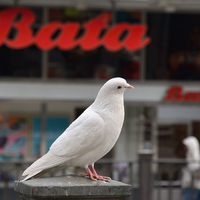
<point>129,86</point>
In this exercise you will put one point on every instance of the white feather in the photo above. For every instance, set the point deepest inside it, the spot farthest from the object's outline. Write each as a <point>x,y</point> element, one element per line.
<point>91,135</point>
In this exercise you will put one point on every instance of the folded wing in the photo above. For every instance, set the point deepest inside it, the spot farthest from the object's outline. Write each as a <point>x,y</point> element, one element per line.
<point>82,136</point>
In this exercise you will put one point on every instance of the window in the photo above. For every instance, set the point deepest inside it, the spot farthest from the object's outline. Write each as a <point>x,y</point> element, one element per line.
<point>23,63</point>
<point>174,53</point>
<point>98,63</point>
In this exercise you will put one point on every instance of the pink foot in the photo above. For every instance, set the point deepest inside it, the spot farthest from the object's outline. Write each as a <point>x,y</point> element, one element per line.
<point>89,173</point>
<point>99,177</point>
<point>102,178</point>
<point>94,176</point>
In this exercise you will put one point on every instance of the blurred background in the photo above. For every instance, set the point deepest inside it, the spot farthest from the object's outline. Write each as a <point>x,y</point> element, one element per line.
<point>43,90</point>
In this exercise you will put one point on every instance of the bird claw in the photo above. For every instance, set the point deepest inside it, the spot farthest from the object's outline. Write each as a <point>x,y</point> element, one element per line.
<point>102,178</point>
<point>89,175</point>
<point>96,177</point>
<point>85,175</point>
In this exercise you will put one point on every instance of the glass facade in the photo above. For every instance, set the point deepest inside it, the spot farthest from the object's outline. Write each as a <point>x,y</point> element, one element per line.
<point>173,55</point>
<point>98,63</point>
<point>76,63</point>
<point>21,63</point>
<point>174,51</point>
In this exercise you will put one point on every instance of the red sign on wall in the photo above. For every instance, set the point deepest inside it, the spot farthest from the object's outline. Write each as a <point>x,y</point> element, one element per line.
<point>176,94</point>
<point>134,39</point>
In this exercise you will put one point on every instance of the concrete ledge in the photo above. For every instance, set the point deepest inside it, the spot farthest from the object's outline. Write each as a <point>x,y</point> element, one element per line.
<point>71,187</point>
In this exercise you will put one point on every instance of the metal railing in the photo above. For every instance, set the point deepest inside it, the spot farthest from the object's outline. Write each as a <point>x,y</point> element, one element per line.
<point>151,179</point>
<point>167,183</point>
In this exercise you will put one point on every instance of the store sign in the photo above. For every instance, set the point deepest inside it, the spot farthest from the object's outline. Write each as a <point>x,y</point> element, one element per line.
<point>66,39</point>
<point>176,94</point>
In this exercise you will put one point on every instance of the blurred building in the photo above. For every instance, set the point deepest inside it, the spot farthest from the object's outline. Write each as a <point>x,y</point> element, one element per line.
<point>45,84</point>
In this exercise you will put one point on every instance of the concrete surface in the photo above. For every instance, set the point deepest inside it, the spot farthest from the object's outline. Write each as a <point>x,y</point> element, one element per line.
<point>71,187</point>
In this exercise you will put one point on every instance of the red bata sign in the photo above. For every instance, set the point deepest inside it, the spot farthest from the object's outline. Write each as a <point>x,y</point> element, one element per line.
<point>175,93</point>
<point>66,39</point>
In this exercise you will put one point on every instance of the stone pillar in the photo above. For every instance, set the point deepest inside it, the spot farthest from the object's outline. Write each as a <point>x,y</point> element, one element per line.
<point>71,187</point>
<point>145,174</point>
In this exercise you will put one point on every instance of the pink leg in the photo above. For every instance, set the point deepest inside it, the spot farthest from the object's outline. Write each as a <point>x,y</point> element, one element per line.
<point>89,173</point>
<point>103,178</point>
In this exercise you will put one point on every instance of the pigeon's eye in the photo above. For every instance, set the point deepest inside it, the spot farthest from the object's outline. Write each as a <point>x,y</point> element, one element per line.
<point>119,87</point>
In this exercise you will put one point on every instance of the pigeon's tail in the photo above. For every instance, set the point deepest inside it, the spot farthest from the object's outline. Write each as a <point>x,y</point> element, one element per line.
<point>43,165</point>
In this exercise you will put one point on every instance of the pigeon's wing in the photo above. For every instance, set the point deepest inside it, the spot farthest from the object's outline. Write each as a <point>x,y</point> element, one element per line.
<point>82,136</point>
<point>43,165</point>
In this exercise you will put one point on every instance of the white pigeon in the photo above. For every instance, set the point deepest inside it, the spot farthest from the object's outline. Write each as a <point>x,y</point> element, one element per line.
<point>91,136</point>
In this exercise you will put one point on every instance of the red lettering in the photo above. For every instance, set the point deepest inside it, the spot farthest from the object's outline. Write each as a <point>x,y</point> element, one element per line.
<point>111,39</point>
<point>135,38</point>
<point>132,41</point>
<point>174,93</point>
<point>24,37</point>
<point>192,96</point>
<point>91,40</point>
<point>67,40</point>
<point>5,24</point>
<point>68,32</point>
<point>44,39</point>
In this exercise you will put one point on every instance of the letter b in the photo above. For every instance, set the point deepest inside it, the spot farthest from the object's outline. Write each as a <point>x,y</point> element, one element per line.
<point>24,37</point>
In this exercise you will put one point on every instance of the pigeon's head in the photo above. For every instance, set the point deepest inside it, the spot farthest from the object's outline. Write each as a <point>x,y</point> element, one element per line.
<point>115,86</point>
<point>111,93</point>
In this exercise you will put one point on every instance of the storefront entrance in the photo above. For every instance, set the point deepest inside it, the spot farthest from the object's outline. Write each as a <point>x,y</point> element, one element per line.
<point>174,124</point>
